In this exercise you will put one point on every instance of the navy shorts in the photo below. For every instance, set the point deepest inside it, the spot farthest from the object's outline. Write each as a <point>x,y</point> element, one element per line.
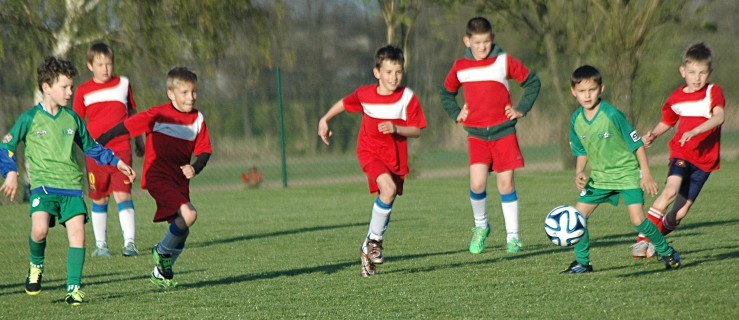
<point>693,178</point>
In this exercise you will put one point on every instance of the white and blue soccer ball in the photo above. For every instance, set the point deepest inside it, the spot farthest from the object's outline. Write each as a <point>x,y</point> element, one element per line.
<point>564,225</point>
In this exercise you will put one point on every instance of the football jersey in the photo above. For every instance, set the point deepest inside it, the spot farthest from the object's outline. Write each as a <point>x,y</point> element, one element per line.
<point>486,89</point>
<point>172,138</point>
<point>50,150</point>
<point>610,142</point>
<point>401,107</point>
<point>103,106</point>
<point>690,110</point>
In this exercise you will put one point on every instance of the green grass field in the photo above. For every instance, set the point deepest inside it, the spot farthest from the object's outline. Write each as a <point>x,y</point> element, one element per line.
<point>293,253</point>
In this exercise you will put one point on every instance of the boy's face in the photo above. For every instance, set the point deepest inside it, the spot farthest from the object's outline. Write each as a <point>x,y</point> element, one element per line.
<point>59,92</point>
<point>480,44</point>
<point>390,74</point>
<point>696,75</point>
<point>101,68</point>
<point>587,93</point>
<point>183,95</point>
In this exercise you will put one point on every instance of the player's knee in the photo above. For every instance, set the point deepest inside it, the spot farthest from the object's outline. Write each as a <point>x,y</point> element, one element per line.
<point>189,216</point>
<point>39,233</point>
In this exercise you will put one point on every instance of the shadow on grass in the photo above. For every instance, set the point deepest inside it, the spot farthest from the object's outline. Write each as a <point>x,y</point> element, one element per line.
<point>272,234</point>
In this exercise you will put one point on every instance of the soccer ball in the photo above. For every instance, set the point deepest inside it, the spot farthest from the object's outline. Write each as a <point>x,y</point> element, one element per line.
<point>564,225</point>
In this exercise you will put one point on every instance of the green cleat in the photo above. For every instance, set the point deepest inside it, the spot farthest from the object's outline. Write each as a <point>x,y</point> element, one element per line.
<point>161,281</point>
<point>74,297</point>
<point>130,250</point>
<point>477,244</point>
<point>33,280</point>
<point>163,263</point>
<point>513,246</point>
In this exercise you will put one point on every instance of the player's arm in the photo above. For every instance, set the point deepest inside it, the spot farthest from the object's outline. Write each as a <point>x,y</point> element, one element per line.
<point>652,135</point>
<point>388,127</point>
<point>101,155</point>
<point>118,130</point>
<point>647,182</point>
<point>323,129</point>
<point>580,177</point>
<point>449,102</point>
<point>8,166</point>
<point>191,170</point>
<point>531,87</point>
<point>716,120</point>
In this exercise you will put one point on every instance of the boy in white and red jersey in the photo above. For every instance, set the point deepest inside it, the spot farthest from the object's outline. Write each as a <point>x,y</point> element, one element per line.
<point>390,115</point>
<point>697,108</point>
<point>103,102</point>
<point>175,132</point>
<point>489,118</point>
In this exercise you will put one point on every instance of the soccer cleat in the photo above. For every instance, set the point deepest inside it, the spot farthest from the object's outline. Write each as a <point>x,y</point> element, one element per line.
<point>513,246</point>
<point>672,261</point>
<point>101,250</point>
<point>33,280</point>
<point>161,281</point>
<point>477,244</point>
<point>368,268</point>
<point>163,263</point>
<point>74,297</point>
<point>639,249</point>
<point>374,251</point>
<point>576,267</point>
<point>651,250</point>
<point>129,250</point>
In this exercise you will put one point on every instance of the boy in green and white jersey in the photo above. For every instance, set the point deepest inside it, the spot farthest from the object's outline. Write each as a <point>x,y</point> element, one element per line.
<point>50,131</point>
<point>601,136</point>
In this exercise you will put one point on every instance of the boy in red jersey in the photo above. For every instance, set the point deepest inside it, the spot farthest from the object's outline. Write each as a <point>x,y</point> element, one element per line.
<point>490,120</point>
<point>174,132</point>
<point>698,110</point>
<point>391,114</point>
<point>103,102</point>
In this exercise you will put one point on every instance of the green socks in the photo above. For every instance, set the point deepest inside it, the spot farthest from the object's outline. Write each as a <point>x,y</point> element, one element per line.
<point>38,250</point>
<point>75,261</point>
<point>655,237</point>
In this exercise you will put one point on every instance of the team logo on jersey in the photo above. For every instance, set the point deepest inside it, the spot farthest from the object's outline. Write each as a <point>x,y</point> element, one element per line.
<point>69,131</point>
<point>7,138</point>
<point>606,135</point>
<point>680,163</point>
<point>41,132</point>
<point>36,202</point>
<point>634,136</point>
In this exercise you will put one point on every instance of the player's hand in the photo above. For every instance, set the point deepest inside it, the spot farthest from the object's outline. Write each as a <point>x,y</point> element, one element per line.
<point>10,185</point>
<point>649,185</point>
<point>139,147</point>
<point>511,113</point>
<point>127,170</point>
<point>323,131</point>
<point>188,171</point>
<point>387,127</point>
<point>581,180</point>
<point>647,139</point>
<point>463,114</point>
<point>686,137</point>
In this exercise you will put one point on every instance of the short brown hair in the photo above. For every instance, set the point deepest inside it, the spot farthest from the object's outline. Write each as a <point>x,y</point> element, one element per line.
<point>389,52</point>
<point>51,68</point>
<point>478,25</point>
<point>178,74</point>
<point>698,53</point>
<point>584,73</point>
<point>97,49</point>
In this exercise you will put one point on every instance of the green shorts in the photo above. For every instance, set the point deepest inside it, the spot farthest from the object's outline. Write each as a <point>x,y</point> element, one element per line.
<point>61,208</point>
<point>597,196</point>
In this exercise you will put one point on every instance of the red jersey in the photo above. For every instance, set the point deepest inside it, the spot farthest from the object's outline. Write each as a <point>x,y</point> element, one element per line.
<point>486,89</point>
<point>691,110</point>
<point>401,107</point>
<point>103,106</point>
<point>172,138</point>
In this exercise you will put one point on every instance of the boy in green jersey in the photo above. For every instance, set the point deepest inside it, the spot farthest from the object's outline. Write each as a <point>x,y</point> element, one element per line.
<point>50,131</point>
<point>601,136</point>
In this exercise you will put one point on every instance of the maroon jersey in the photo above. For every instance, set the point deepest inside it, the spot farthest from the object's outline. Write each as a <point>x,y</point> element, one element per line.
<point>172,138</point>
<point>401,107</point>
<point>103,106</point>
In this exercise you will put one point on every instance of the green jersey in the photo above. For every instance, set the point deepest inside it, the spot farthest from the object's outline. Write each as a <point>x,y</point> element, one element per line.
<point>50,151</point>
<point>609,141</point>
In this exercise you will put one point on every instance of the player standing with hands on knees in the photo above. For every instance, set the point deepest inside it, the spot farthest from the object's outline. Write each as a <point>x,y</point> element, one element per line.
<point>390,115</point>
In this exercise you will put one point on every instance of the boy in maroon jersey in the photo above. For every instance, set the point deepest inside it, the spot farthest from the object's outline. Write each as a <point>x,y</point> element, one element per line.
<point>490,120</point>
<point>174,132</point>
<point>697,108</point>
<point>390,115</point>
<point>103,102</point>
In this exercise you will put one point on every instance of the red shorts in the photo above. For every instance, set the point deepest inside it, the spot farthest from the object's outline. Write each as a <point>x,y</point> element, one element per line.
<point>499,155</point>
<point>103,180</point>
<point>376,168</point>
<point>168,196</point>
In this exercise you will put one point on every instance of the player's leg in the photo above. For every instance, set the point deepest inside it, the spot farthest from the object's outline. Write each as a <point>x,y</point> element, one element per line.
<point>37,250</point>
<point>75,258</point>
<point>686,198</point>
<point>582,247</point>
<point>643,248</point>
<point>634,200</point>
<point>478,199</point>
<point>509,204</point>
<point>380,218</point>
<point>99,217</point>
<point>127,218</point>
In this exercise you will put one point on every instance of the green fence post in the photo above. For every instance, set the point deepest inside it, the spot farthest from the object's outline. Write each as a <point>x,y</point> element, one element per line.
<point>281,118</point>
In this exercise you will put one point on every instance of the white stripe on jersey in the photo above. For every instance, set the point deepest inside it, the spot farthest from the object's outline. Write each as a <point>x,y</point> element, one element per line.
<point>116,93</point>
<point>700,108</point>
<point>395,110</point>
<point>181,131</point>
<point>494,72</point>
